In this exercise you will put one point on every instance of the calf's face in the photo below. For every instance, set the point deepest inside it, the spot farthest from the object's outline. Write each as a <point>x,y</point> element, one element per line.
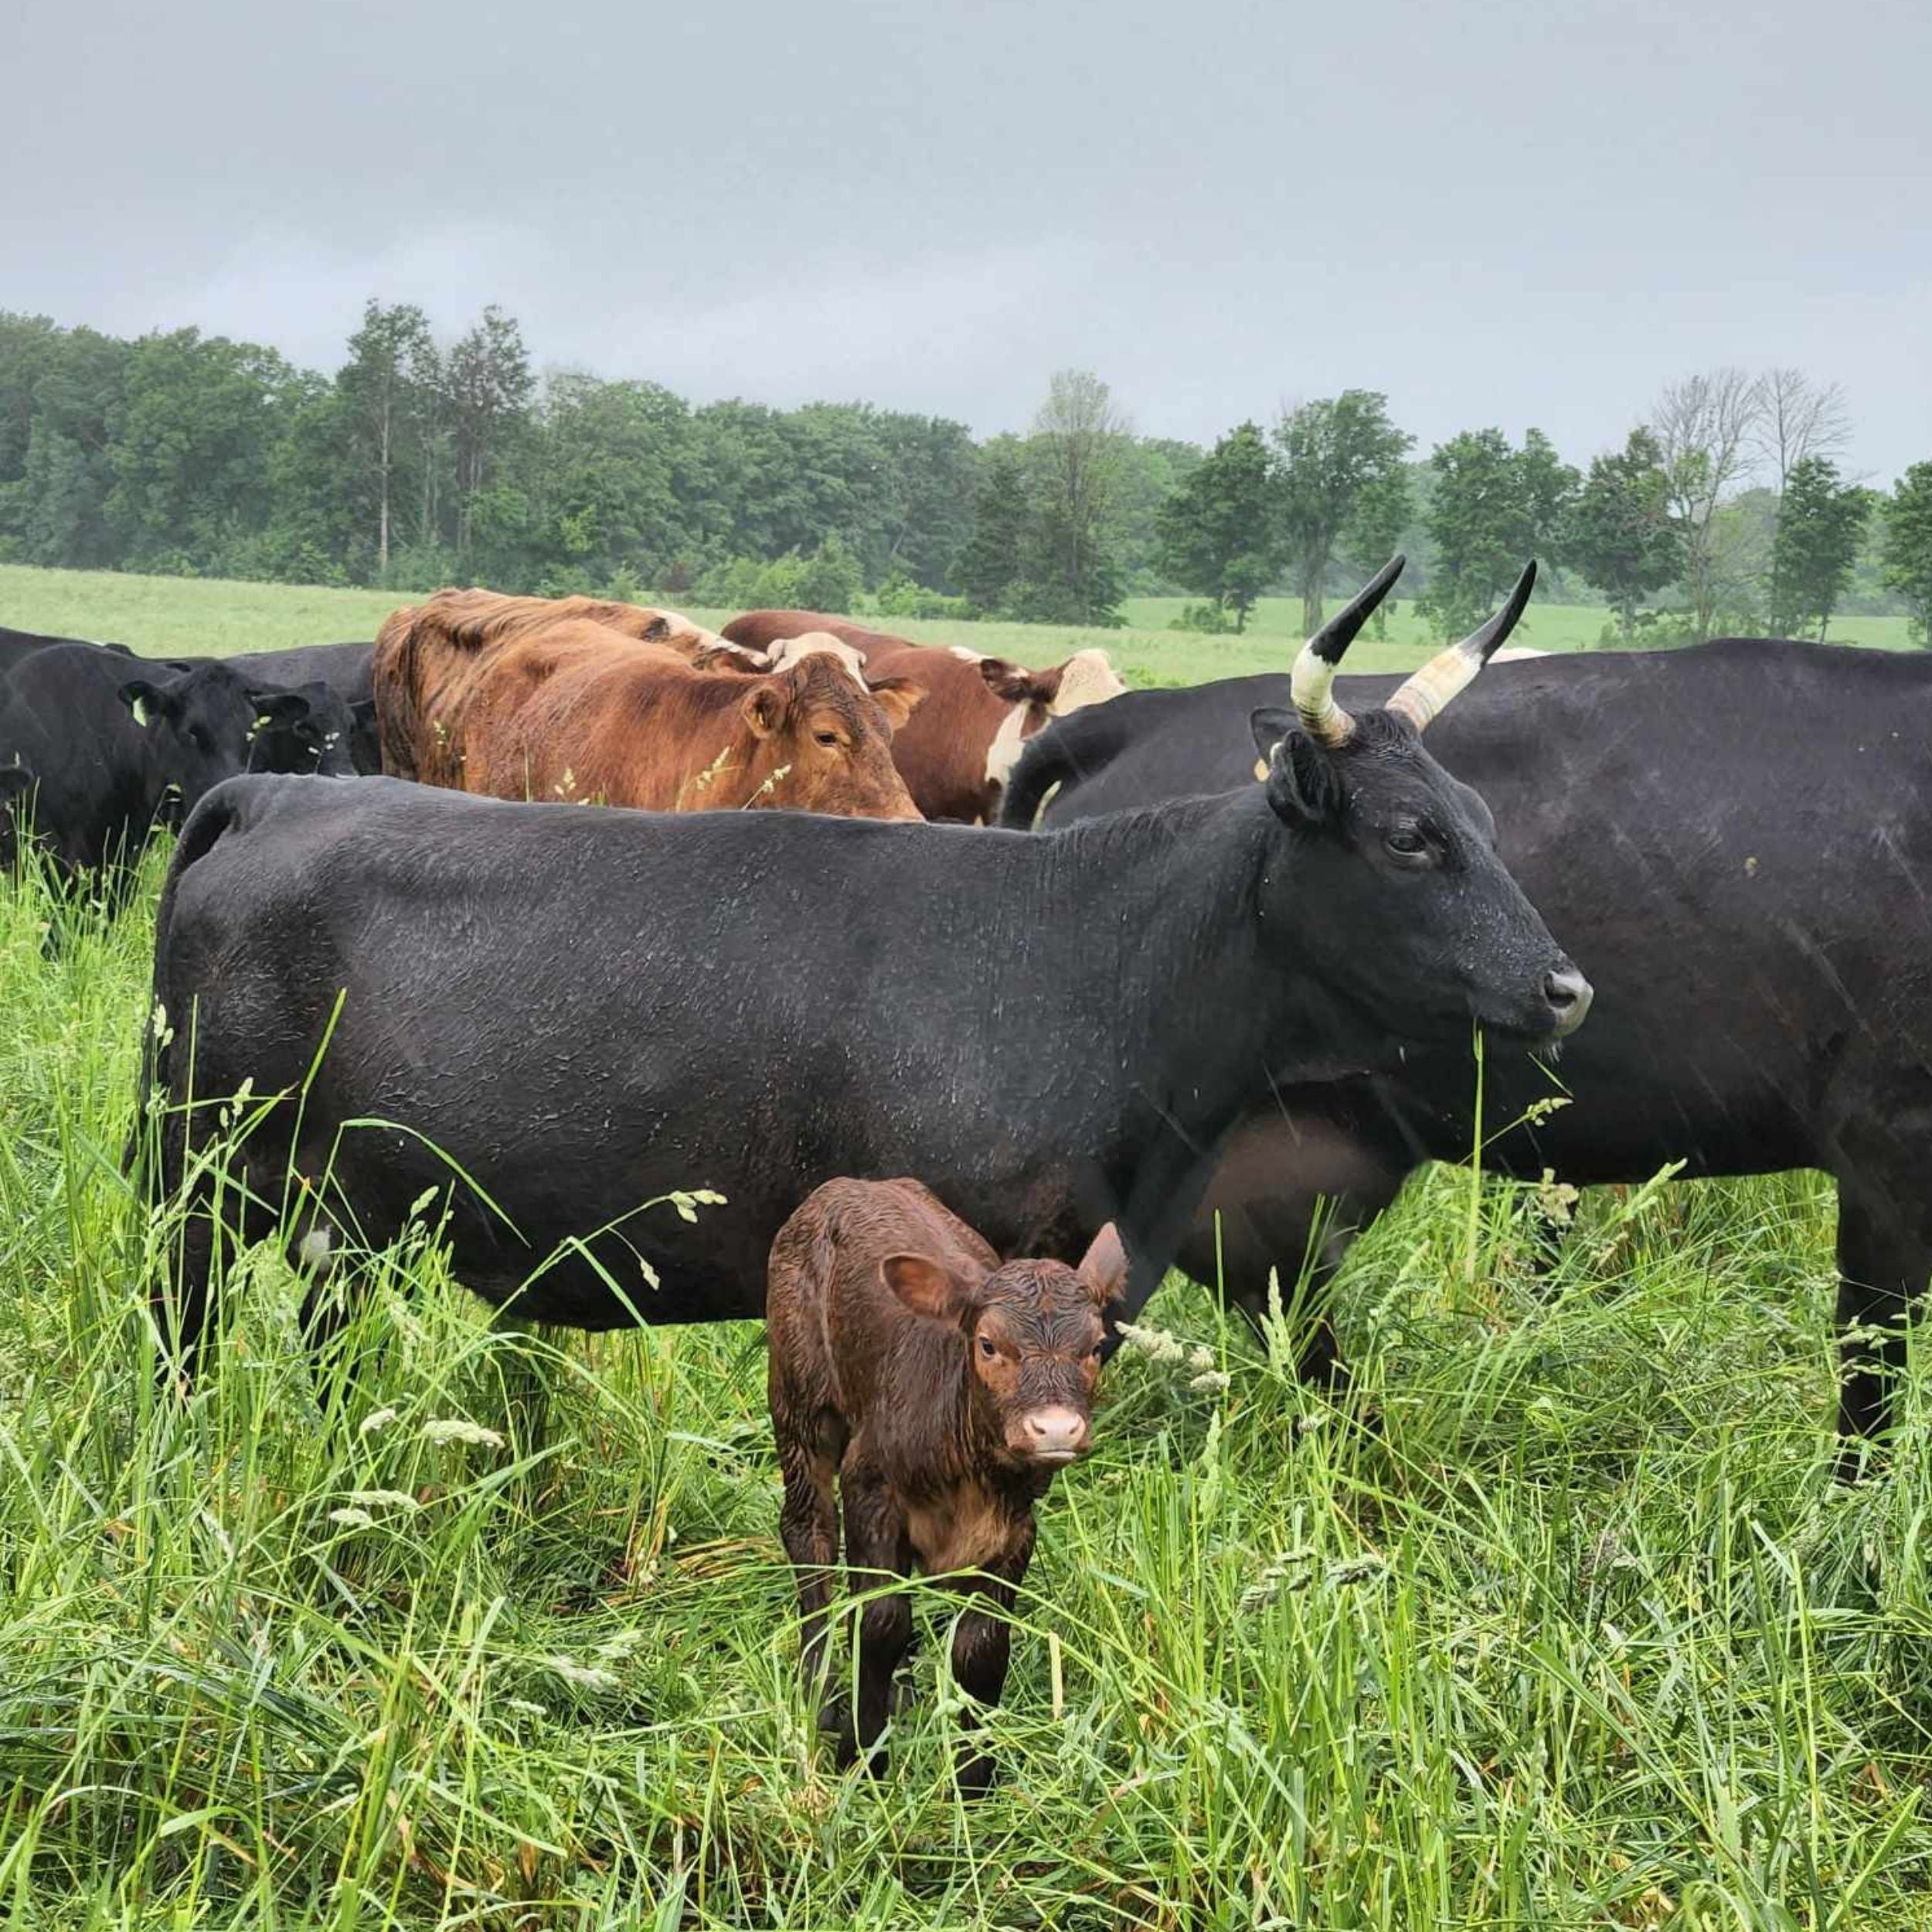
<point>1035,1333</point>
<point>826,741</point>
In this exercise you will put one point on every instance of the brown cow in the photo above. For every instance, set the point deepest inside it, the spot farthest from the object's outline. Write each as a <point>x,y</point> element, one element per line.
<point>574,709</point>
<point>942,1390</point>
<point>978,712</point>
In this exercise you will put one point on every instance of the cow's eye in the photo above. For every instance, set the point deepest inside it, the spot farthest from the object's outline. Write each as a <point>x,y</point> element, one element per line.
<point>199,739</point>
<point>987,1348</point>
<point>1406,842</point>
<point>827,739</point>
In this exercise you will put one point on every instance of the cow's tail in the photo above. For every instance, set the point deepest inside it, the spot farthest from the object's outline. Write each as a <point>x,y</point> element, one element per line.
<point>154,1129</point>
<point>1069,750</point>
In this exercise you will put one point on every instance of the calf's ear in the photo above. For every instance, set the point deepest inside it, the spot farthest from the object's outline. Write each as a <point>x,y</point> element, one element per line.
<point>147,701</point>
<point>1103,1267</point>
<point>925,1287</point>
<point>899,698</point>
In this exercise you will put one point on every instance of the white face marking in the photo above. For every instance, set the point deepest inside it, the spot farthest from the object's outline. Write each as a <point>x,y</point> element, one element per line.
<point>966,656</point>
<point>1003,753</point>
<point>1086,677</point>
<point>788,652</point>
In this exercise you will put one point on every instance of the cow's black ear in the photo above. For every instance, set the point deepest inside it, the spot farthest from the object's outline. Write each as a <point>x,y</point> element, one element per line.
<point>1270,723</point>
<point>146,700</point>
<point>279,707</point>
<point>1303,787</point>
<point>14,778</point>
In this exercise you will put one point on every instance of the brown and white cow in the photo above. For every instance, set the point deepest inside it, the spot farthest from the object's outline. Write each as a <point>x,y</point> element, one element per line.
<point>574,708</point>
<point>978,711</point>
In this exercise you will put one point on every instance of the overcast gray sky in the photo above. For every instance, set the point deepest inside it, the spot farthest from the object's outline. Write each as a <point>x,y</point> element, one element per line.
<point>1513,214</point>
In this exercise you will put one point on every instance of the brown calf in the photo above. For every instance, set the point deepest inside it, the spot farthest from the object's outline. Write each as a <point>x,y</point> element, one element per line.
<point>979,711</point>
<point>942,1388</point>
<point>518,708</point>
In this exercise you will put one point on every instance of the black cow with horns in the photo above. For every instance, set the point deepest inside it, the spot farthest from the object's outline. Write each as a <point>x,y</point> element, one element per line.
<point>577,1012</point>
<point>1738,837</point>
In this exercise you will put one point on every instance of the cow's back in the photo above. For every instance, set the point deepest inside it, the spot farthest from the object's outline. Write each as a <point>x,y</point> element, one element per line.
<point>1734,840</point>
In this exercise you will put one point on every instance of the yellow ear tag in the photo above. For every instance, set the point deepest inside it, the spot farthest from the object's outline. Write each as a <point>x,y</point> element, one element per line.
<point>1261,769</point>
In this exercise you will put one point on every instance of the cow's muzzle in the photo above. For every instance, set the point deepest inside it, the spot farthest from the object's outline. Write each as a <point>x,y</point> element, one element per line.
<point>1569,995</point>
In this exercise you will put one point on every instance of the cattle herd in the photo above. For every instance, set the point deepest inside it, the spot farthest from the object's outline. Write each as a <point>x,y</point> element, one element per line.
<point>1028,989</point>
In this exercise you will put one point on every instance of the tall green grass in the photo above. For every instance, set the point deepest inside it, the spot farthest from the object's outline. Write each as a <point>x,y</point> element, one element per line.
<point>1582,1635</point>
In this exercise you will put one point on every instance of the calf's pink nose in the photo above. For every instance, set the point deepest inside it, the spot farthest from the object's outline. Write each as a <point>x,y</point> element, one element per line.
<point>1055,1432</point>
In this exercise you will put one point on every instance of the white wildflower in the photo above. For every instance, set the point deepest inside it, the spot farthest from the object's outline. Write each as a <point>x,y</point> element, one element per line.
<point>377,1419</point>
<point>457,1428</point>
<point>351,1518</point>
<point>615,1650</point>
<point>524,1705</point>
<point>590,1675</point>
<point>1200,1358</point>
<point>384,1499</point>
<point>1156,1344</point>
<point>1211,1382</point>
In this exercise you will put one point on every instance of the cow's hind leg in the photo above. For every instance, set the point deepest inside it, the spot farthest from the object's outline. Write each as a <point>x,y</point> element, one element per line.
<point>877,1556</point>
<point>1884,1257</point>
<point>1295,1238</point>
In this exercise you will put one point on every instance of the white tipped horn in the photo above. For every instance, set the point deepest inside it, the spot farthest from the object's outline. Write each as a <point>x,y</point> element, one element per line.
<point>1449,671</point>
<point>1310,685</point>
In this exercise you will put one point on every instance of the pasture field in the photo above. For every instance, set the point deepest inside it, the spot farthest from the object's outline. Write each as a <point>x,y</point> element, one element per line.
<point>495,1632</point>
<point>203,614</point>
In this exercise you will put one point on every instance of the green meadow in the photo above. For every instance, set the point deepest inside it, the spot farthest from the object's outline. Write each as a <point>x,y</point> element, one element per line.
<point>490,1628</point>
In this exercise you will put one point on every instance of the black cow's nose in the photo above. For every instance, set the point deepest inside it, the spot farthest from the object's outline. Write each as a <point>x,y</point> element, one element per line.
<point>1569,995</point>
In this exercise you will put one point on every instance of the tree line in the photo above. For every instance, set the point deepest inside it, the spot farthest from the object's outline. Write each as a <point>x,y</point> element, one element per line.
<point>1726,511</point>
<point>423,460</point>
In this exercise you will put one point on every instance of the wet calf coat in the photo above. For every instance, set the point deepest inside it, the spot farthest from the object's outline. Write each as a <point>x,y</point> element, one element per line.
<point>940,1390</point>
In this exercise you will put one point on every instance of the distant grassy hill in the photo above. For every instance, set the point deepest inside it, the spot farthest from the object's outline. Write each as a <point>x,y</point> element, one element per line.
<point>159,614</point>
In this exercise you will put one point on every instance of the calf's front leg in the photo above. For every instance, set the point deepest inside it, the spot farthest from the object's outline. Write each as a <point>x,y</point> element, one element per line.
<point>982,1645</point>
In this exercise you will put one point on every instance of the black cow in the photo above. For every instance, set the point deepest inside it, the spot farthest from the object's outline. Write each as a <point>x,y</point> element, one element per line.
<point>111,752</point>
<point>583,1010</point>
<point>1738,839</point>
<point>17,646</point>
<point>347,671</point>
<point>344,668</point>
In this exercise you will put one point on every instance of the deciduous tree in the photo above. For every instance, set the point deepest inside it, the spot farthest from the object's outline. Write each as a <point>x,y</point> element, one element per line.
<point>1907,563</point>
<point>1217,531</point>
<point>1332,454</point>
<point>1483,520</point>
<point>1820,522</point>
<point>1620,533</point>
<point>1707,426</point>
<point>387,356</point>
<point>1075,457</point>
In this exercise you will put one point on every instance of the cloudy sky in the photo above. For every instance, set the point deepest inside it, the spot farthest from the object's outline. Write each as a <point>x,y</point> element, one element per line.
<point>1513,213</point>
